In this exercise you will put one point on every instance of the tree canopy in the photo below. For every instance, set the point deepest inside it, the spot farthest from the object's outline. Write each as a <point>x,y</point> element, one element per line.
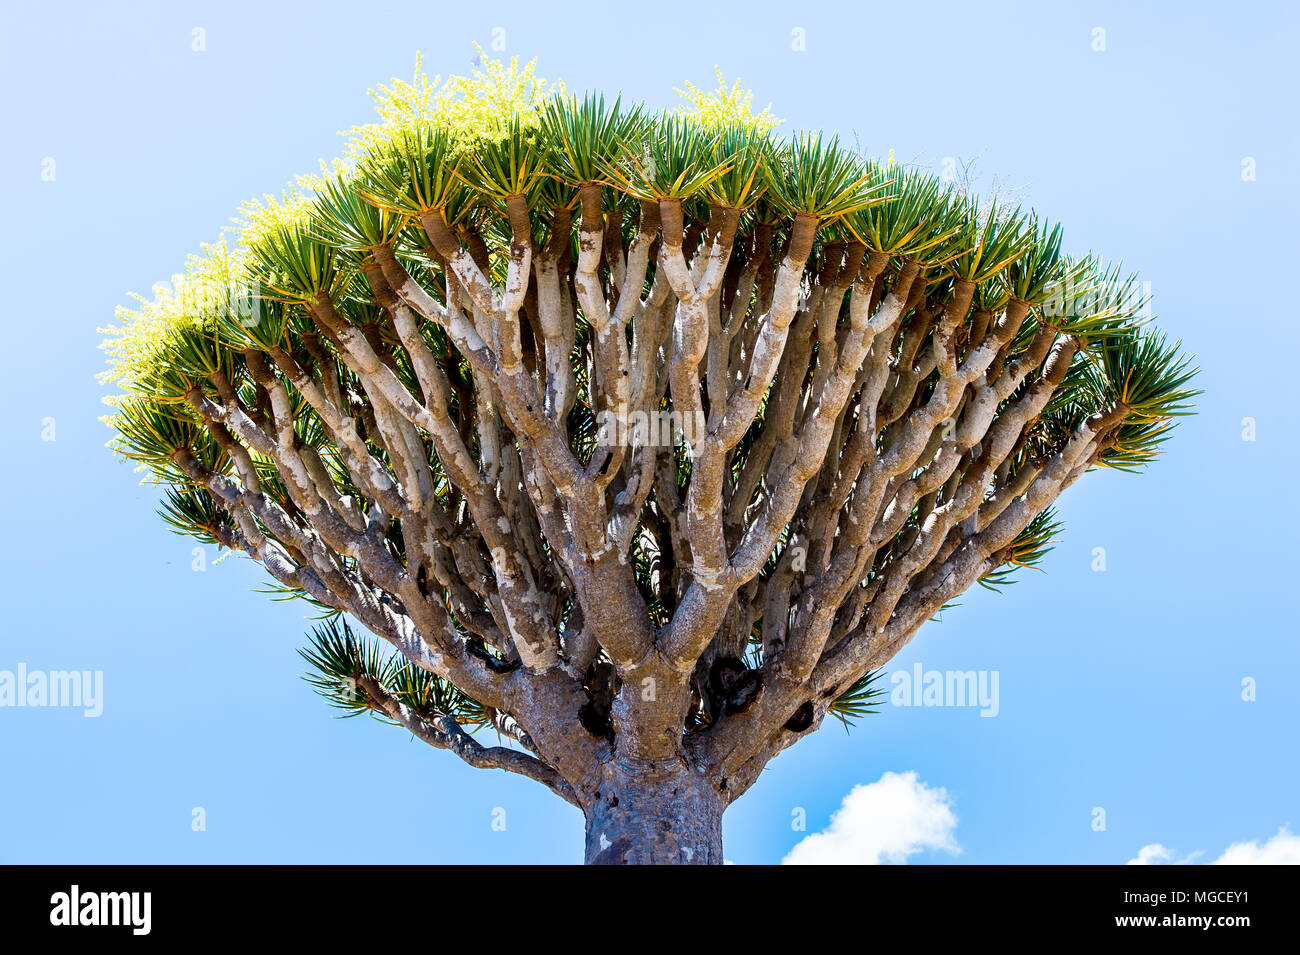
<point>638,435</point>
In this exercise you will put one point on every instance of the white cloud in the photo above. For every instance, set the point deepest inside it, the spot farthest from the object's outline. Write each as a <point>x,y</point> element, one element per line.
<point>885,821</point>
<point>1282,849</point>
<point>1156,854</point>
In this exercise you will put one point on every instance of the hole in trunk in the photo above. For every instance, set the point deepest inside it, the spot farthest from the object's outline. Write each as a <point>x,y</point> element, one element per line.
<point>801,719</point>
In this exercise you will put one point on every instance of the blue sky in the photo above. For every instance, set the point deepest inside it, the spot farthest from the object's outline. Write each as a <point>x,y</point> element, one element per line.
<point>1118,689</point>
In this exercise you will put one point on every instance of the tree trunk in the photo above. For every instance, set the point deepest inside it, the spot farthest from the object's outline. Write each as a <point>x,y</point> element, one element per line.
<point>655,816</point>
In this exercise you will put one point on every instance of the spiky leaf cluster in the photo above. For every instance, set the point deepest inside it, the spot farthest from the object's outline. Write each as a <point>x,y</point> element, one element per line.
<point>841,392</point>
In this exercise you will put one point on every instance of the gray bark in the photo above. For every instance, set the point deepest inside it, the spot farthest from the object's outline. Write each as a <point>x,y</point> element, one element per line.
<point>655,813</point>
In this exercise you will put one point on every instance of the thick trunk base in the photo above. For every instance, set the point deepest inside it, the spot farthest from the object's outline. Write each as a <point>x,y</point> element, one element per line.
<point>654,819</point>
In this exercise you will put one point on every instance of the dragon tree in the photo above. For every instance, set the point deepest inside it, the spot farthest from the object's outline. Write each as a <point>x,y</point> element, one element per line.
<point>638,441</point>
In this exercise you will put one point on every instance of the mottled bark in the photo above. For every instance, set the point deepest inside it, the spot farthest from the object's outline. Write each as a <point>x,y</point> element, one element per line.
<point>654,814</point>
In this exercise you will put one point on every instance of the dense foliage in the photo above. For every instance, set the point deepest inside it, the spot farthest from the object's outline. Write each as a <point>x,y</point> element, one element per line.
<point>541,386</point>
